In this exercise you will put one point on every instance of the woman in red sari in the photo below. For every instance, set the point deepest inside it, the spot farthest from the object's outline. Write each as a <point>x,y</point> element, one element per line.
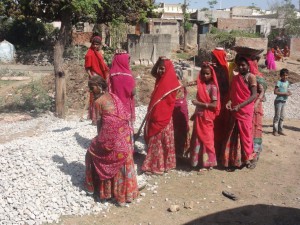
<point>239,147</point>
<point>207,104</point>
<point>109,162</point>
<point>222,120</point>
<point>159,133</point>
<point>122,83</point>
<point>95,66</point>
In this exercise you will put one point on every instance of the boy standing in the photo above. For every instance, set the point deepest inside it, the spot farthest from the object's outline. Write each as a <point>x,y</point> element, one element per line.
<point>281,90</point>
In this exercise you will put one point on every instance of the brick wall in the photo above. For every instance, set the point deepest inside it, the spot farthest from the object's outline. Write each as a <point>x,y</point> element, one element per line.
<point>81,38</point>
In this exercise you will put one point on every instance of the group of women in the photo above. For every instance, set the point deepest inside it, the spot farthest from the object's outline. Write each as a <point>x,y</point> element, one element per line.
<point>227,122</point>
<point>276,54</point>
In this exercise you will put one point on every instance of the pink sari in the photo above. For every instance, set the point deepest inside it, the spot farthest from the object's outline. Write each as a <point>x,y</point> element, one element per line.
<point>122,82</point>
<point>270,60</point>
<point>111,147</point>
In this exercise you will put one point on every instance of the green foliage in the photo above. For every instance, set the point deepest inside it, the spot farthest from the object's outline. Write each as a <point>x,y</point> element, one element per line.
<point>34,98</point>
<point>227,39</point>
<point>130,11</point>
<point>37,98</point>
<point>287,12</point>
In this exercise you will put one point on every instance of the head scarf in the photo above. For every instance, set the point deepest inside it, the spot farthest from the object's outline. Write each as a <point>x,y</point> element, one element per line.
<point>120,65</point>
<point>203,95</point>
<point>220,55</point>
<point>97,39</point>
<point>162,101</point>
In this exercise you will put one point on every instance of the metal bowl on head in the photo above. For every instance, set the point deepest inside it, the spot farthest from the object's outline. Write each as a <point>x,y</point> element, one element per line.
<point>247,51</point>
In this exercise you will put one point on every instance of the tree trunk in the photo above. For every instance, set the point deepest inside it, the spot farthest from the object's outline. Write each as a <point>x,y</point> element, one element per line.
<point>60,74</point>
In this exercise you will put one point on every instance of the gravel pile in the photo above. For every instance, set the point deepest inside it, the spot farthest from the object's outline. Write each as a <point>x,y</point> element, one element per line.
<point>41,177</point>
<point>292,110</point>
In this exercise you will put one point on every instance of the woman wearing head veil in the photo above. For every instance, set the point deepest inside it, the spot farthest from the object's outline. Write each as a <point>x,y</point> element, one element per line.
<point>122,82</point>
<point>159,132</point>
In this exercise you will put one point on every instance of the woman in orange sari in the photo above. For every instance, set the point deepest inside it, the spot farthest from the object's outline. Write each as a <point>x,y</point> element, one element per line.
<point>239,149</point>
<point>110,171</point>
<point>95,66</point>
<point>159,132</point>
<point>278,54</point>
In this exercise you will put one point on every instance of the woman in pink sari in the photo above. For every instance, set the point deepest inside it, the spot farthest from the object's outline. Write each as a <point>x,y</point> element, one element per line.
<point>239,149</point>
<point>270,60</point>
<point>122,83</point>
<point>109,159</point>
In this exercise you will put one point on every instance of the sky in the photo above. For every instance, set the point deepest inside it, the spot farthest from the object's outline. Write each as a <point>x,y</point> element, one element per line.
<point>198,4</point>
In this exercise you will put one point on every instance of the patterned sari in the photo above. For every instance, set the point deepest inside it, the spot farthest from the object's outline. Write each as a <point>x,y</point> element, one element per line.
<point>109,160</point>
<point>159,132</point>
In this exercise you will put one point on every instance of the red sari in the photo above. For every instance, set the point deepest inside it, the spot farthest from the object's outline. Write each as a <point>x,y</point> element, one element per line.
<point>122,82</point>
<point>222,120</point>
<point>239,146</point>
<point>109,160</point>
<point>159,133</point>
<point>95,62</point>
<point>202,143</point>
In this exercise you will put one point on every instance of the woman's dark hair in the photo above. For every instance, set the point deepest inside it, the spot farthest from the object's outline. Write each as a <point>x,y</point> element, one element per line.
<point>283,71</point>
<point>204,66</point>
<point>97,80</point>
<point>242,59</point>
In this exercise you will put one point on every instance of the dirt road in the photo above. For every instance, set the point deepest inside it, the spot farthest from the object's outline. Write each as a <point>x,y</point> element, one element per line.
<point>269,194</point>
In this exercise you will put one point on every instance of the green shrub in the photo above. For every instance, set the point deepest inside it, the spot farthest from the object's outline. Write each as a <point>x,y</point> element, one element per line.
<point>32,97</point>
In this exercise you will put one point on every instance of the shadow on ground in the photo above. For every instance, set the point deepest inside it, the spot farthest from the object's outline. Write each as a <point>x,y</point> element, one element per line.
<point>82,141</point>
<point>250,215</point>
<point>75,170</point>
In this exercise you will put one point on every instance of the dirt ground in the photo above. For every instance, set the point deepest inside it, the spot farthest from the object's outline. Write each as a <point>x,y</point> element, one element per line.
<point>269,194</point>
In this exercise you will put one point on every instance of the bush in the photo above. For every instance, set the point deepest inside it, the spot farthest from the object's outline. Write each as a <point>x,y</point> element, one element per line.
<point>227,39</point>
<point>32,97</point>
<point>24,33</point>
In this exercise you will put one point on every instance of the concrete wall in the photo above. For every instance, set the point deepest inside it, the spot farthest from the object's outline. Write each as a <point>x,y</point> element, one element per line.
<point>257,43</point>
<point>171,27</point>
<point>214,14</point>
<point>237,24</point>
<point>148,47</point>
<point>191,36</point>
<point>241,11</point>
<point>266,25</point>
<point>295,48</point>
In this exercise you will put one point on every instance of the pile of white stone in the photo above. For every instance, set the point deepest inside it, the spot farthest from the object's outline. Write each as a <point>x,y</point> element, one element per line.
<point>42,177</point>
<point>292,109</point>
